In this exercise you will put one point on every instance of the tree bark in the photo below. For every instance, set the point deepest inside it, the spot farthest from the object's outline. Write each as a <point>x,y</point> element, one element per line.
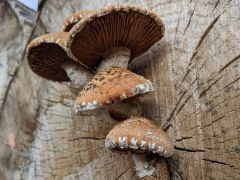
<point>196,72</point>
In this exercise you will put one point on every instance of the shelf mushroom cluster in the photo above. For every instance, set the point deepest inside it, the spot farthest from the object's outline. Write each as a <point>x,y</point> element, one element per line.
<point>93,52</point>
<point>102,41</point>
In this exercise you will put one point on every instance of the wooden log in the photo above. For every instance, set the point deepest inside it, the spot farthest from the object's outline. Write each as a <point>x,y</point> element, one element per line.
<point>196,72</point>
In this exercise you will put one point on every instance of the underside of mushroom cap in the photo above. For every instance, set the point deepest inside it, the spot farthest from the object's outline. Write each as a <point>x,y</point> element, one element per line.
<point>70,21</point>
<point>47,53</point>
<point>109,86</point>
<point>116,26</point>
<point>139,134</point>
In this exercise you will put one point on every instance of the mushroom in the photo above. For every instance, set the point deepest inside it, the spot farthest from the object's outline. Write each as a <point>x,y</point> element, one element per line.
<point>112,37</point>
<point>49,58</point>
<point>70,21</point>
<point>139,135</point>
<point>115,35</point>
<point>111,85</point>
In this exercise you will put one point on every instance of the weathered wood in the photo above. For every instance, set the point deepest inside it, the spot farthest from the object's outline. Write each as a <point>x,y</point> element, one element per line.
<point>196,72</point>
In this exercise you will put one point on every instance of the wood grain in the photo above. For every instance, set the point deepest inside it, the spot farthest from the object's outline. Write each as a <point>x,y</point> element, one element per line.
<point>196,72</point>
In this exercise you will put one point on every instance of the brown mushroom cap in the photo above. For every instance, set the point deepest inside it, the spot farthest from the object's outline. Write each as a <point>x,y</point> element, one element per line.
<point>138,133</point>
<point>47,53</point>
<point>109,86</point>
<point>70,21</point>
<point>116,26</point>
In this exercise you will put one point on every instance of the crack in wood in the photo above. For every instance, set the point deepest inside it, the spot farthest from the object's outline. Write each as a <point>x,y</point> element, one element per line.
<point>216,4</point>
<point>191,15</point>
<point>188,150</point>
<point>205,33</point>
<point>165,126</point>
<point>229,63</point>
<point>219,162</point>
<point>218,118</point>
<point>211,124</point>
<point>118,177</point>
<point>204,91</point>
<point>107,164</point>
<point>185,102</point>
<point>183,138</point>
<point>231,83</point>
<point>41,4</point>
<point>188,70</point>
<point>178,24</point>
<point>203,36</point>
<point>210,109</point>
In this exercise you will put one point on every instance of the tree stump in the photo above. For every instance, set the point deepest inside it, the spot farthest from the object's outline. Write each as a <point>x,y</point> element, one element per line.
<point>196,72</point>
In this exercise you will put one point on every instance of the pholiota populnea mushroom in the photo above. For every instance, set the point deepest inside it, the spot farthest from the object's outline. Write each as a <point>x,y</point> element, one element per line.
<point>71,20</point>
<point>49,57</point>
<point>111,38</point>
<point>140,136</point>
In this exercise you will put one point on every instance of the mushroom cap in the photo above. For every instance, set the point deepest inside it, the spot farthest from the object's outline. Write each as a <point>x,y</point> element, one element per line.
<point>70,21</point>
<point>109,86</point>
<point>47,53</point>
<point>139,134</point>
<point>116,26</point>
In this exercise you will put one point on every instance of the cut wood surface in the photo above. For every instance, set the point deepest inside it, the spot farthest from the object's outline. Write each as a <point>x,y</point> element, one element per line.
<point>196,72</point>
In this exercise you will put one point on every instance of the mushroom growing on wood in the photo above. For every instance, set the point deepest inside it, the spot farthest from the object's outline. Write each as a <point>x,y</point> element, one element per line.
<point>49,58</point>
<point>112,37</point>
<point>70,21</point>
<point>140,135</point>
<point>111,85</point>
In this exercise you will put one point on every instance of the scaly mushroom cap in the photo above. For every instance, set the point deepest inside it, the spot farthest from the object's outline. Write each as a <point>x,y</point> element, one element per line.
<point>116,26</point>
<point>47,53</point>
<point>109,86</point>
<point>139,134</point>
<point>70,21</point>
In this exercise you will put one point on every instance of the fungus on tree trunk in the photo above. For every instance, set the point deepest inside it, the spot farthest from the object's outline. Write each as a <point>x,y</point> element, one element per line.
<point>48,57</point>
<point>109,86</point>
<point>140,135</point>
<point>112,37</point>
<point>71,20</point>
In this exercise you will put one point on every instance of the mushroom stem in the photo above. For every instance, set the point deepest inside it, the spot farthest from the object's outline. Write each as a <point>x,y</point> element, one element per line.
<point>143,168</point>
<point>150,169</point>
<point>117,57</point>
<point>123,110</point>
<point>77,74</point>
